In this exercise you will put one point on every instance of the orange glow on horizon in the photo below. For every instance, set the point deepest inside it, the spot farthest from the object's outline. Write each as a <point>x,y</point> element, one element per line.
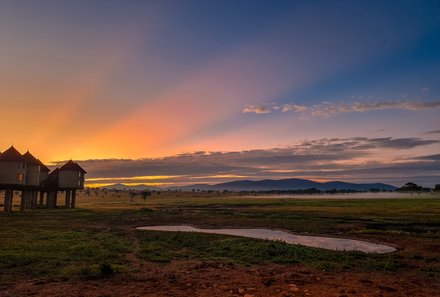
<point>145,177</point>
<point>219,176</point>
<point>98,185</point>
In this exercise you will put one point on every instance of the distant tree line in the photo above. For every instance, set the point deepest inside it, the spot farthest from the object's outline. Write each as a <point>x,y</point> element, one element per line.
<point>310,191</point>
<point>409,187</point>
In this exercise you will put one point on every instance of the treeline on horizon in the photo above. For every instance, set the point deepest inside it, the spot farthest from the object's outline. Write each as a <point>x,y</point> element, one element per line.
<point>407,188</point>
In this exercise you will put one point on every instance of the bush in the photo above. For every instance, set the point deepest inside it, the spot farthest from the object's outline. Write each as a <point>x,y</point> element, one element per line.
<point>106,269</point>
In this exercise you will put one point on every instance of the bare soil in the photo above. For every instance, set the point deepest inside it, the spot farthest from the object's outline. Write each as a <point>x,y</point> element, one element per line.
<point>197,278</point>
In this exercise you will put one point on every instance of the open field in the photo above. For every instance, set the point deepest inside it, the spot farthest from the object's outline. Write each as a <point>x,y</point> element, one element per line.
<point>94,250</point>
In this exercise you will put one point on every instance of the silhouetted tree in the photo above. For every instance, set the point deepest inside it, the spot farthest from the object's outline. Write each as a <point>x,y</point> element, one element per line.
<point>437,188</point>
<point>410,187</point>
<point>132,194</point>
<point>145,194</point>
<point>373,190</point>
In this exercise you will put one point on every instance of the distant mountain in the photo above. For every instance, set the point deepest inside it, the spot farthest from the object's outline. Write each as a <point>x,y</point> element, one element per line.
<point>287,184</point>
<point>125,187</point>
<point>265,185</point>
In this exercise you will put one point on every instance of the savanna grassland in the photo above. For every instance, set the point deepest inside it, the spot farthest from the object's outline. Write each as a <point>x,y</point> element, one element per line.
<point>95,250</point>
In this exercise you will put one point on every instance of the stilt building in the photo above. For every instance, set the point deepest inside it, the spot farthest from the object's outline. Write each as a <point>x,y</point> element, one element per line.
<point>29,175</point>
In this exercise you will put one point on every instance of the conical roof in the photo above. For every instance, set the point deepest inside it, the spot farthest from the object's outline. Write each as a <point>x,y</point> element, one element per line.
<point>11,154</point>
<point>72,166</point>
<point>54,172</point>
<point>42,166</point>
<point>30,158</point>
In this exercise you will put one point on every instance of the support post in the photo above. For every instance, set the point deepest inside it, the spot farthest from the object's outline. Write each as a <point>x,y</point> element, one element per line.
<point>55,196</point>
<point>29,200</point>
<point>49,197</point>
<point>34,199</point>
<point>23,200</point>
<point>41,199</point>
<point>67,201</point>
<point>51,200</point>
<point>72,205</point>
<point>9,193</point>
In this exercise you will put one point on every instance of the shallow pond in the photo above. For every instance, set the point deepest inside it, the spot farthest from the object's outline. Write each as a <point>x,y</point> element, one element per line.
<point>331,243</point>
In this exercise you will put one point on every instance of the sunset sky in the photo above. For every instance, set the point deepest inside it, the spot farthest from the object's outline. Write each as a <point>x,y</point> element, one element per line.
<point>175,92</point>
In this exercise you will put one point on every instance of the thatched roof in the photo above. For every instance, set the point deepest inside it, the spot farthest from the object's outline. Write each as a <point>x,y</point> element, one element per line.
<point>30,158</point>
<point>42,166</point>
<point>72,166</point>
<point>11,154</point>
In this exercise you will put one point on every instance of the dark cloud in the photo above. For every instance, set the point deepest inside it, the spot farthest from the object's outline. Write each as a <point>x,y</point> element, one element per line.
<point>363,143</point>
<point>432,132</point>
<point>429,158</point>
<point>400,143</point>
<point>326,109</point>
<point>330,158</point>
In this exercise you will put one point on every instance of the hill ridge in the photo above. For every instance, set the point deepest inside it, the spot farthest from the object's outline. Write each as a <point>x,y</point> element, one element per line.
<point>271,185</point>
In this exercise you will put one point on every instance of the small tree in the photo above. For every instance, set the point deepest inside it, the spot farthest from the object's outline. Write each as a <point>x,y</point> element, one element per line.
<point>145,194</point>
<point>132,194</point>
<point>437,188</point>
<point>410,187</point>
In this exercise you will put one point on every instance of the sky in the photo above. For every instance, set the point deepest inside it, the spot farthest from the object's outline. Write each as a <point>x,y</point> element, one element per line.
<point>175,92</point>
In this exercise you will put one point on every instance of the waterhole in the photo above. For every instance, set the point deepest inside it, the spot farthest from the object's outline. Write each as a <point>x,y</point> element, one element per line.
<point>330,243</point>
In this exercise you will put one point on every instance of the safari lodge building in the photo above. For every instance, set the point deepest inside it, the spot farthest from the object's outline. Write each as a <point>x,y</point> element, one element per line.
<point>28,175</point>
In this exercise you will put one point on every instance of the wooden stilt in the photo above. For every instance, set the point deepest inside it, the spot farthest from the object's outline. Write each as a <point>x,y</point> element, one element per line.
<point>73,199</point>
<point>55,199</point>
<point>33,200</point>
<point>23,200</point>
<point>67,201</point>
<point>49,196</point>
<point>41,199</point>
<point>28,199</point>
<point>8,200</point>
<point>50,200</point>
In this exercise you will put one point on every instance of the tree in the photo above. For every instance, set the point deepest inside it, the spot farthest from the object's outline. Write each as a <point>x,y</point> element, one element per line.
<point>132,194</point>
<point>410,187</point>
<point>437,188</point>
<point>145,194</point>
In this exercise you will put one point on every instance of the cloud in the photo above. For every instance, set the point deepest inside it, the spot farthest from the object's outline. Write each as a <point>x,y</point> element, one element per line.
<point>328,158</point>
<point>432,132</point>
<point>258,109</point>
<point>363,143</point>
<point>429,157</point>
<point>408,105</point>
<point>293,107</point>
<point>326,109</point>
<point>400,143</point>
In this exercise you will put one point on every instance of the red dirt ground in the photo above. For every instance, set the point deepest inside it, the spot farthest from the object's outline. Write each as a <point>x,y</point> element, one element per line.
<point>197,278</point>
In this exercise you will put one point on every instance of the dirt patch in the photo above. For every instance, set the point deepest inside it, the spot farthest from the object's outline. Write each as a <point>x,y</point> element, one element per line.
<point>199,278</point>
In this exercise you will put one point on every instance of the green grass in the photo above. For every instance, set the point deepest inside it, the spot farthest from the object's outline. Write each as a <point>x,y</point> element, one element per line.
<point>167,246</point>
<point>100,241</point>
<point>57,244</point>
